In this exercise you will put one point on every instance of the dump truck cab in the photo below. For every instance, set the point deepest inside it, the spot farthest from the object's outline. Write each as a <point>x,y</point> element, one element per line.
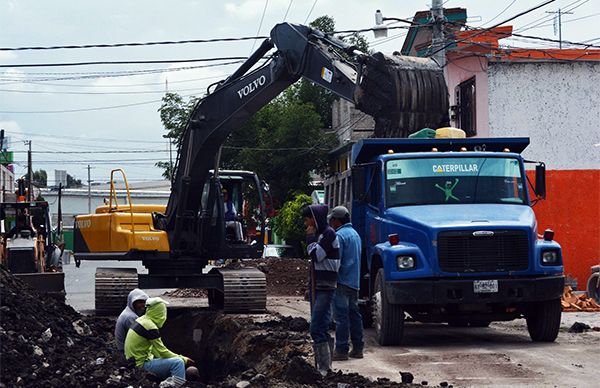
<point>449,235</point>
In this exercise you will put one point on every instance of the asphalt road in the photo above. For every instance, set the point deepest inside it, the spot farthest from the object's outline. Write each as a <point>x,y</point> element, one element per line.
<point>499,356</point>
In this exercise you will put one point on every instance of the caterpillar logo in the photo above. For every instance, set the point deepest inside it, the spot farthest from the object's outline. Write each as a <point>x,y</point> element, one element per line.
<point>150,238</point>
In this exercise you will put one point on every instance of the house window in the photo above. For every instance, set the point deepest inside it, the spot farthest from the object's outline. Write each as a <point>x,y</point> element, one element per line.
<point>465,100</point>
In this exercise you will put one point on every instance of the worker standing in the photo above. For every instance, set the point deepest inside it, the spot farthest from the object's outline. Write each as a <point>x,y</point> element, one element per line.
<point>144,344</point>
<point>136,302</point>
<point>323,249</point>
<point>348,320</point>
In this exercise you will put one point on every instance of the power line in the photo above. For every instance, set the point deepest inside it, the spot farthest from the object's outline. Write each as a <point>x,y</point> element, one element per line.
<point>501,12</point>
<point>287,10</point>
<point>131,44</point>
<point>570,20</point>
<point>492,27</point>
<point>87,109</point>
<point>262,18</point>
<point>124,62</point>
<point>310,12</point>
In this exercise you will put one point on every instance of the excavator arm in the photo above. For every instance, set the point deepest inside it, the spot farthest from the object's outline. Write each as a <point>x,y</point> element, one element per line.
<point>399,92</point>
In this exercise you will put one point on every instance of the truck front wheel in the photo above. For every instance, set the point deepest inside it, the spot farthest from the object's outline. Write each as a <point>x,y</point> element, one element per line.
<point>388,318</point>
<point>543,320</point>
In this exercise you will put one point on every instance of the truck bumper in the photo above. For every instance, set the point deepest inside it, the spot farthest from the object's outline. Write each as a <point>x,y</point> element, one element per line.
<point>444,291</point>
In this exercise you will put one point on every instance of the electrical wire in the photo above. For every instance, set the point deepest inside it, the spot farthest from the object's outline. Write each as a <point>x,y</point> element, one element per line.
<point>88,109</point>
<point>501,12</point>
<point>123,62</point>
<point>131,44</point>
<point>310,12</point>
<point>494,26</point>
<point>570,20</point>
<point>287,10</point>
<point>262,18</point>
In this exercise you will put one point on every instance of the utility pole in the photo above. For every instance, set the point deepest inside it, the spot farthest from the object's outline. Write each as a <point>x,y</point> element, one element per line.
<point>89,181</point>
<point>438,41</point>
<point>29,172</point>
<point>559,13</point>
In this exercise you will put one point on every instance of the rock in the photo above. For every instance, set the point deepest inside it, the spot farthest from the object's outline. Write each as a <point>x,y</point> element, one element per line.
<point>407,377</point>
<point>46,335</point>
<point>82,328</point>
<point>579,327</point>
<point>70,342</point>
<point>100,361</point>
<point>242,384</point>
<point>37,351</point>
<point>45,365</point>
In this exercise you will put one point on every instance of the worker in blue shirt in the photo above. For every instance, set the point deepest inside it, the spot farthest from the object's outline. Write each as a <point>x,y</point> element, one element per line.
<point>348,321</point>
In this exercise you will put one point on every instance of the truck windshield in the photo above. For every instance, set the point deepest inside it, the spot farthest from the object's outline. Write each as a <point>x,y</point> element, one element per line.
<point>454,181</point>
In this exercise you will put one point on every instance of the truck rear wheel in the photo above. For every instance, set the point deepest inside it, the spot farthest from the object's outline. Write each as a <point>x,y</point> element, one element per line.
<point>543,320</point>
<point>388,318</point>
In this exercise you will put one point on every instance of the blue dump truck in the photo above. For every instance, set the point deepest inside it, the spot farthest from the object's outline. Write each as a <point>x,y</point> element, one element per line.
<point>449,234</point>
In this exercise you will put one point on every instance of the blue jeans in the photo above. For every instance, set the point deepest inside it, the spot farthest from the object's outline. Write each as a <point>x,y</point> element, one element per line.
<point>348,321</point>
<point>165,367</point>
<point>321,316</point>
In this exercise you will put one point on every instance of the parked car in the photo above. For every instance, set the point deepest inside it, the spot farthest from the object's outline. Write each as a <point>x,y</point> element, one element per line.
<point>280,251</point>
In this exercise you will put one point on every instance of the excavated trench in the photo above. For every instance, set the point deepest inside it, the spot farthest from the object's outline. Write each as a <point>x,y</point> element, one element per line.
<point>267,350</point>
<point>229,348</point>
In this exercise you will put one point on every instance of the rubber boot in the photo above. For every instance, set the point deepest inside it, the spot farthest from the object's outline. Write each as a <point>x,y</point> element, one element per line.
<point>322,357</point>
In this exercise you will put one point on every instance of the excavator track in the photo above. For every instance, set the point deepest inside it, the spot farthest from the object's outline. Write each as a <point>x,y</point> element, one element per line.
<point>244,291</point>
<point>112,287</point>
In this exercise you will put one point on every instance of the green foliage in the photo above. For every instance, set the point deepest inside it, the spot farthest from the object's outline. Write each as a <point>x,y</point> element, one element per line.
<point>174,114</point>
<point>288,223</point>
<point>72,182</point>
<point>40,178</point>
<point>283,143</point>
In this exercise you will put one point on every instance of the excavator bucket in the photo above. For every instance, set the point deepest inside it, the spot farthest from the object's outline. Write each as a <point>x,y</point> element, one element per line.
<point>51,284</point>
<point>404,94</point>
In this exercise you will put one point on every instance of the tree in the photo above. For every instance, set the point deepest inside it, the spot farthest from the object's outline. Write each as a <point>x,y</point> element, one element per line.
<point>174,114</point>
<point>283,144</point>
<point>308,92</point>
<point>40,178</point>
<point>73,182</point>
<point>289,223</point>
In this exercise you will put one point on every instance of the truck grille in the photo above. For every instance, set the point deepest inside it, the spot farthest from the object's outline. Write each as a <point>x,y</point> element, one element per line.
<point>505,250</point>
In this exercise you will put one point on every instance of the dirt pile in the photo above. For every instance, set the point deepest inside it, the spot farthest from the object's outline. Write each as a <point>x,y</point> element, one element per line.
<point>234,351</point>
<point>285,277</point>
<point>44,342</point>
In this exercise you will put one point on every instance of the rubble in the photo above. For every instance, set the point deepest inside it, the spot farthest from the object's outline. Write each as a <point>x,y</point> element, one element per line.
<point>232,350</point>
<point>43,340</point>
<point>571,302</point>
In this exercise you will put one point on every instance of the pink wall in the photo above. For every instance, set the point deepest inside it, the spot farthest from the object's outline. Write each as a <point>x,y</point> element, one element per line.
<point>460,70</point>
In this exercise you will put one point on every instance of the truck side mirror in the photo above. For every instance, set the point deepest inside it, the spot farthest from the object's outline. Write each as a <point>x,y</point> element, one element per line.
<point>540,180</point>
<point>358,183</point>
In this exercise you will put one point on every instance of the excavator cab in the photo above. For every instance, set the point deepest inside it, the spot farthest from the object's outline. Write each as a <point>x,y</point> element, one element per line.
<point>236,222</point>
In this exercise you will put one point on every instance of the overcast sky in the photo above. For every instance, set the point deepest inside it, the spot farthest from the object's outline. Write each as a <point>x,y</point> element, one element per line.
<point>119,113</point>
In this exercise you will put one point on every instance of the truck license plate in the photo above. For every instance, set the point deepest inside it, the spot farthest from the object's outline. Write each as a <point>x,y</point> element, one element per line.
<point>485,286</point>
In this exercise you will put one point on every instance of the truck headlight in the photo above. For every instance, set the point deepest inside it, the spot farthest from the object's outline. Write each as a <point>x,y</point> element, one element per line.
<point>405,262</point>
<point>549,257</point>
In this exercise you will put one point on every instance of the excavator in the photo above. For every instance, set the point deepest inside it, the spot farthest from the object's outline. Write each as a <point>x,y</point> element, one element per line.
<point>31,247</point>
<point>403,94</point>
